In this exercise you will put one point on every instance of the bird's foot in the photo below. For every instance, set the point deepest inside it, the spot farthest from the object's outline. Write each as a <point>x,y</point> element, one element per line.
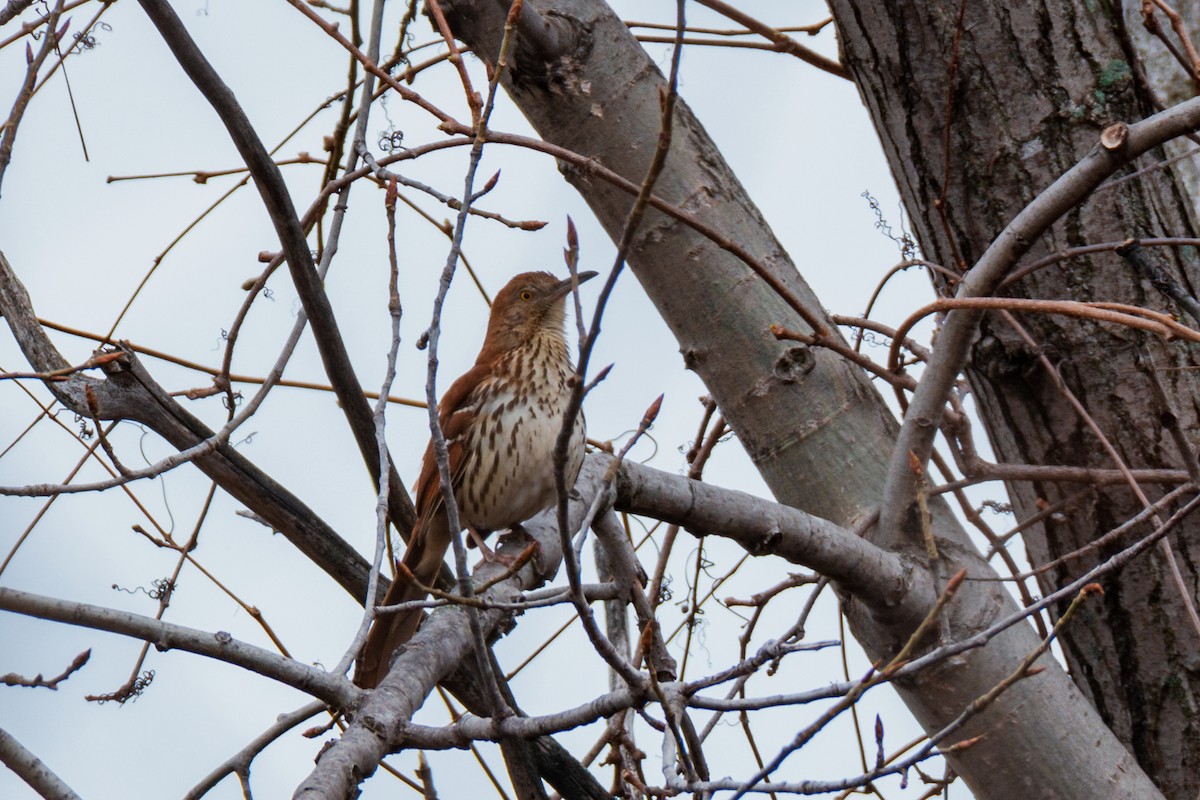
<point>490,556</point>
<point>533,549</point>
<point>476,539</point>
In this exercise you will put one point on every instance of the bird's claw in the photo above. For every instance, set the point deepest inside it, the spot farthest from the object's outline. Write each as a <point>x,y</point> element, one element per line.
<point>533,549</point>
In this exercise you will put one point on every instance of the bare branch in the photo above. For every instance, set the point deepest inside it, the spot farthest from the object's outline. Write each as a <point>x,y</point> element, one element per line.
<point>13,679</point>
<point>764,527</point>
<point>279,206</point>
<point>129,392</point>
<point>332,689</point>
<point>782,42</point>
<point>1068,191</point>
<point>240,761</point>
<point>12,8</point>
<point>31,770</point>
<point>8,132</point>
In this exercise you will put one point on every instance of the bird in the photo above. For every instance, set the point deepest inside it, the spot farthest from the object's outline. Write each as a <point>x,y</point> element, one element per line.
<point>501,421</point>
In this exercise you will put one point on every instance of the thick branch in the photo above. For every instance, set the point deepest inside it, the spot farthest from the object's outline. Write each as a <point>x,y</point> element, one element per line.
<point>32,770</point>
<point>282,212</point>
<point>440,646</point>
<point>333,689</point>
<point>129,392</point>
<point>765,527</point>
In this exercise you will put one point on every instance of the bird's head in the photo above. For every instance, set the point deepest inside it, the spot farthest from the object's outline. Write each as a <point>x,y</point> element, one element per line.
<point>531,304</point>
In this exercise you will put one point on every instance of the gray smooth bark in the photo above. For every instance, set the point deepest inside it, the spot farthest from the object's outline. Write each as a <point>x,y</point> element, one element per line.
<point>813,425</point>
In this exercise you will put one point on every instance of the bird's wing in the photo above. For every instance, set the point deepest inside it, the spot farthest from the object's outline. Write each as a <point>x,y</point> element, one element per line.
<point>456,412</point>
<point>430,536</point>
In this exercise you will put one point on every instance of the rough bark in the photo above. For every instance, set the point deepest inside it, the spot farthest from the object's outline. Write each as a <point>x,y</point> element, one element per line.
<point>1166,83</point>
<point>1027,94</point>
<point>815,428</point>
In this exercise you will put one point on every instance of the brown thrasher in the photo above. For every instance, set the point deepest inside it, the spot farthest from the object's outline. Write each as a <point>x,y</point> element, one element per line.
<point>501,421</point>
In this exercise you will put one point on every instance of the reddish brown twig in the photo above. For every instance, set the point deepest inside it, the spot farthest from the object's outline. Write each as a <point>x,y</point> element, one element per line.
<point>37,681</point>
<point>474,101</point>
<point>1119,313</point>
<point>781,41</point>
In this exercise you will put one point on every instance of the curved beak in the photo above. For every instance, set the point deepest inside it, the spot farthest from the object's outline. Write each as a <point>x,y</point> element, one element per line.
<point>564,286</point>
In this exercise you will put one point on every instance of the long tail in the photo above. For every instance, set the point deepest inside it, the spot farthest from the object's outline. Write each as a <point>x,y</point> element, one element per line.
<point>423,558</point>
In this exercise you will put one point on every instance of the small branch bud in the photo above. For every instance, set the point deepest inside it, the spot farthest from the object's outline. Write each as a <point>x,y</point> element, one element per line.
<point>652,412</point>
<point>914,464</point>
<point>491,184</point>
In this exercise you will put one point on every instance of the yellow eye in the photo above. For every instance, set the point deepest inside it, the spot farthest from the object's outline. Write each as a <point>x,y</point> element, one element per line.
<point>526,295</point>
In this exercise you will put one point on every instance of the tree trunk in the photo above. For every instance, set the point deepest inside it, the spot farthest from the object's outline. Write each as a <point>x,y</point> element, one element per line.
<point>1021,96</point>
<point>814,425</point>
<point>1166,83</point>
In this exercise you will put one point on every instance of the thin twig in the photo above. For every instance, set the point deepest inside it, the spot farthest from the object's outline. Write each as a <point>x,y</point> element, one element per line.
<point>8,133</point>
<point>499,707</point>
<point>37,681</point>
<point>782,41</point>
<point>240,761</point>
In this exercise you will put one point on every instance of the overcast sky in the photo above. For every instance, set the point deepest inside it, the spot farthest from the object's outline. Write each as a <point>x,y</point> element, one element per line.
<point>798,139</point>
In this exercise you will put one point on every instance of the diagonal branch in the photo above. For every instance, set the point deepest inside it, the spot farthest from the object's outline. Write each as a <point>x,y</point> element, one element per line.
<point>240,761</point>
<point>1119,145</point>
<point>8,132</point>
<point>783,43</point>
<point>32,770</point>
<point>283,216</point>
<point>12,8</point>
<point>333,689</point>
<point>129,392</point>
<point>441,644</point>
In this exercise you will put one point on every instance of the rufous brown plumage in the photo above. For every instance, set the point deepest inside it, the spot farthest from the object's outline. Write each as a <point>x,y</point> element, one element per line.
<point>501,421</point>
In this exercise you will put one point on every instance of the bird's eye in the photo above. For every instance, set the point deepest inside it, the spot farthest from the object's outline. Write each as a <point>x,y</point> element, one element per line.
<point>526,295</point>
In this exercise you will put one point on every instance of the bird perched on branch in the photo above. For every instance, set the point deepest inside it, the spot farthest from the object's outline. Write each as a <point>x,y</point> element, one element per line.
<point>501,421</point>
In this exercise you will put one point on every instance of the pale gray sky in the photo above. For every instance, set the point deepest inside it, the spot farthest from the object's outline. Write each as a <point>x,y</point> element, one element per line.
<point>798,139</point>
